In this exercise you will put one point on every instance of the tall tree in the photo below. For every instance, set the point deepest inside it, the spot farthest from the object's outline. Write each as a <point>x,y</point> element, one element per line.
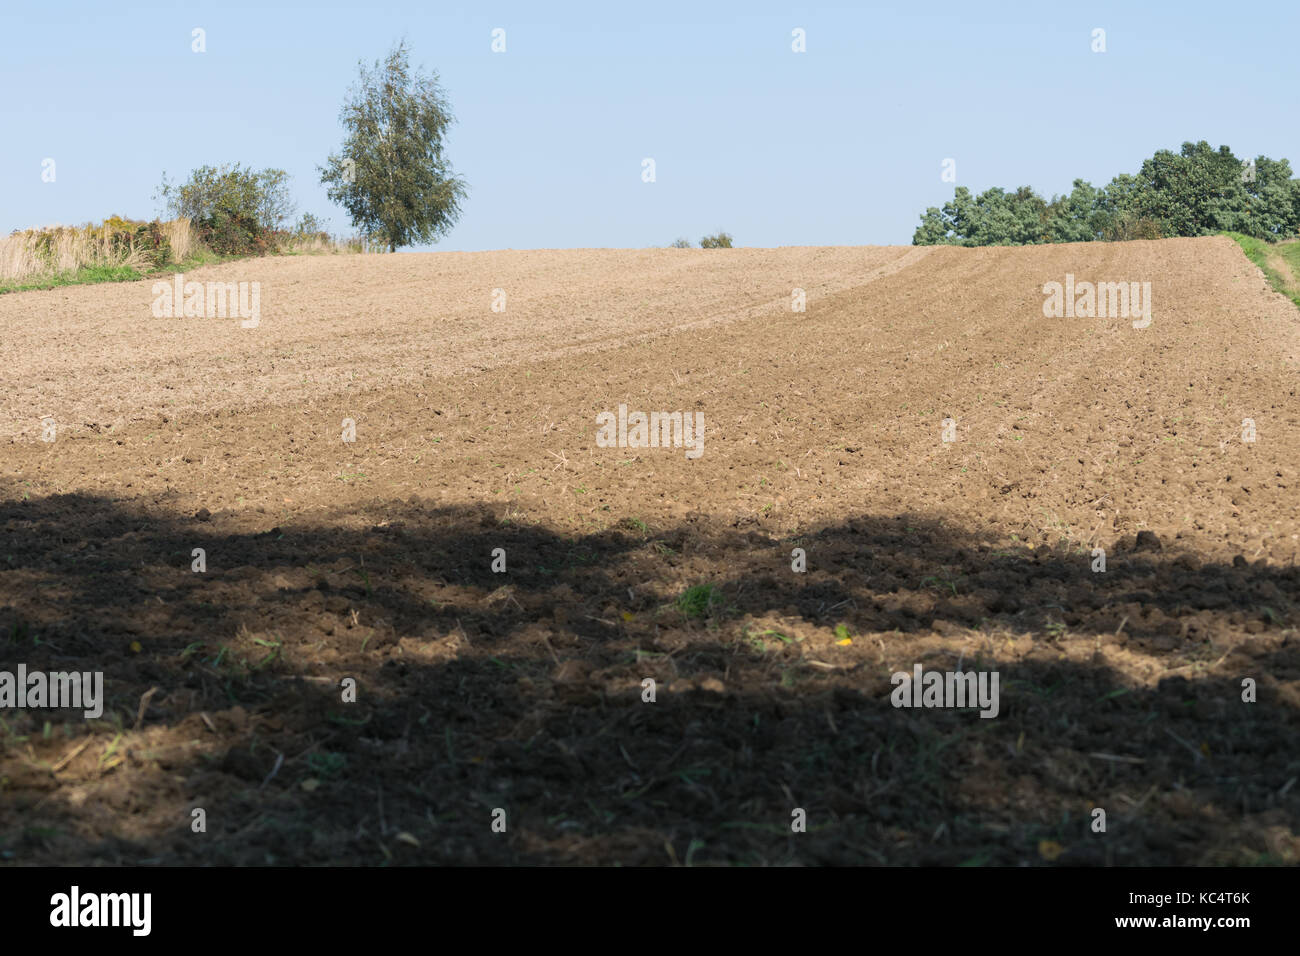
<point>391,174</point>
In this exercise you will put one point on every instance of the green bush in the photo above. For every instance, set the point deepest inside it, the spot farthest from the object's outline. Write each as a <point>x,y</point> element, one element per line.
<point>156,246</point>
<point>233,234</point>
<point>309,225</point>
<point>236,210</point>
<point>721,241</point>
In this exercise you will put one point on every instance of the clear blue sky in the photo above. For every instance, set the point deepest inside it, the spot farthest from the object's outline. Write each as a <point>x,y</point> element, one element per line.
<point>841,145</point>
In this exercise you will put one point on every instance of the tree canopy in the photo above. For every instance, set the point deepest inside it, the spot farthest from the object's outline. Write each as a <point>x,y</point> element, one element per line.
<point>1197,191</point>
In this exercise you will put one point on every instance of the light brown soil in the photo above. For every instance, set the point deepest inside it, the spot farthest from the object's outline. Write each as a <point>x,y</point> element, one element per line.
<point>522,690</point>
<point>94,357</point>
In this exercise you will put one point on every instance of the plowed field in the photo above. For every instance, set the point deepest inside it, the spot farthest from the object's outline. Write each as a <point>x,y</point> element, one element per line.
<point>518,695</point>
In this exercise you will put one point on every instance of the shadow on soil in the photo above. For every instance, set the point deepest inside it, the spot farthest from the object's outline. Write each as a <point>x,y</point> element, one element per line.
<point>522,691</point>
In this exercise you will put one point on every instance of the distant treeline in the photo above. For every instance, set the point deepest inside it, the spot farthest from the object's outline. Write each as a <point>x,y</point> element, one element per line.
<point>1197,191</point>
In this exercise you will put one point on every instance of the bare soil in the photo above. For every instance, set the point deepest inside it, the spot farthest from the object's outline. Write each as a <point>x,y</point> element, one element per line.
<point>522,690</point>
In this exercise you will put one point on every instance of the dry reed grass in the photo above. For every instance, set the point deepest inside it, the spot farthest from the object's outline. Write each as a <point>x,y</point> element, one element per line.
<point>41,254</point>
<point>34,254</point>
